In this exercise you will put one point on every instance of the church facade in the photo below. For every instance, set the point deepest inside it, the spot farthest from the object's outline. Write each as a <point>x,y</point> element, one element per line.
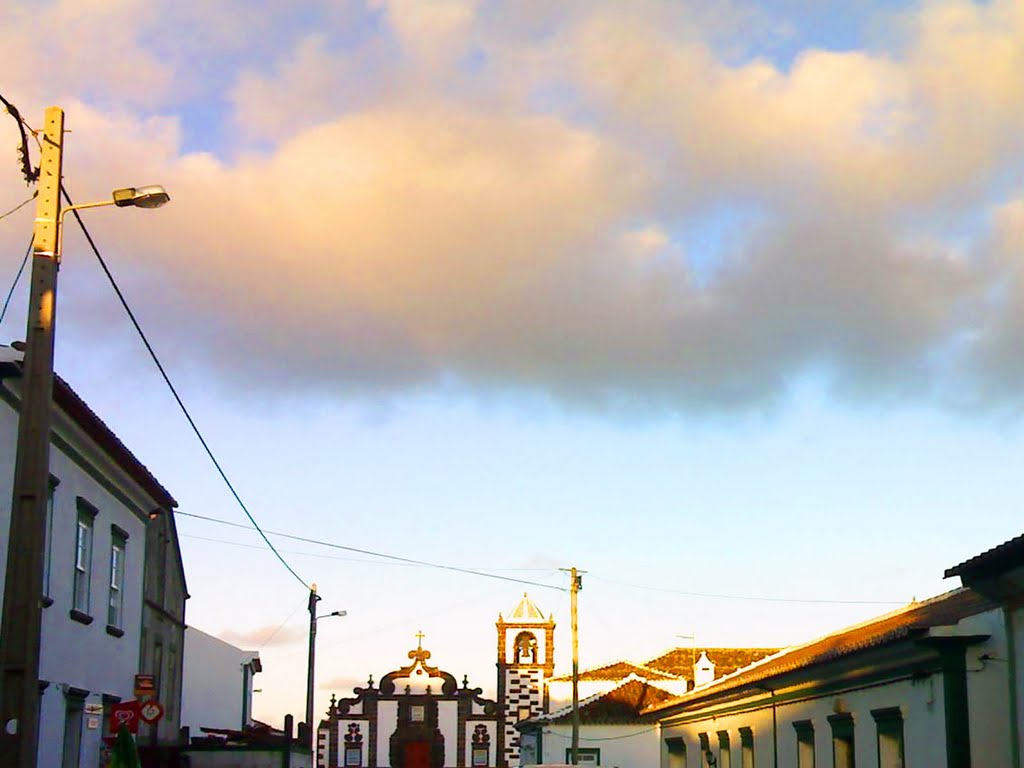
<point>419,716</point>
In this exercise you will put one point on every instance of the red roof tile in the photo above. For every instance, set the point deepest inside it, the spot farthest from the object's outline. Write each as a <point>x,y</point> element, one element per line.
<point>680,661</point>
<point>1007,555</point>
<point>616,671</point>
<point>623,704</point>
<point>943,610</point>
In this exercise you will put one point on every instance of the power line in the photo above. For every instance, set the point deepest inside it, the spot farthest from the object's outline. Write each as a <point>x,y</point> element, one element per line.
<point>331,557</point>
<point>754,598</point>
<point>280,626</point>
<point>17,277</point>
<point>18,207</point>
<point>174,392</point>
<point>383,555</point>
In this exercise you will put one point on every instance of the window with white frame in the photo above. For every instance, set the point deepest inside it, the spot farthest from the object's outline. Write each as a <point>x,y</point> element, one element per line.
<point>724,752</point>
<point>676,748</point>
<point>118,549</point>
<point>83,556</point>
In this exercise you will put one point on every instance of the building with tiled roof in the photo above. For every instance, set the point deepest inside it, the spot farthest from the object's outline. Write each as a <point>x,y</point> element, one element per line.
<point>113,586</point>
<point>613,729</point>
<point>910,687</point>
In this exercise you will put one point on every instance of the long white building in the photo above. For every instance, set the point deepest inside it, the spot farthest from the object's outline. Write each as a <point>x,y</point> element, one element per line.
<point>103,502</point>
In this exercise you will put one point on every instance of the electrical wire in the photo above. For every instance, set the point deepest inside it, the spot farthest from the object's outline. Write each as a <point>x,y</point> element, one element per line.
<point>331,557</point>
<point>281,626</point>
<point>383,555</point>
<point>754,598</point>
<point>17,277</point>
<point>548,732</point>
<point>174,392</point>
<point>18,207</point>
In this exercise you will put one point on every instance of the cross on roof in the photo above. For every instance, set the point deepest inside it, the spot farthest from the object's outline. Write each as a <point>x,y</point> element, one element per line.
<point>419,640</point>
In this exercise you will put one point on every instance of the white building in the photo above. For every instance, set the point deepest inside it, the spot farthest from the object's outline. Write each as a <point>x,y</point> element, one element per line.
<point>101,501</point>
<point>613,732</point>
<point>999,575</point>
<point>217,684</point>
<point>922,686</point>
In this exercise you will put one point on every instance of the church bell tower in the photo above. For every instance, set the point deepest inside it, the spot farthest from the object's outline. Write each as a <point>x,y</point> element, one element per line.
<point>526,659</point>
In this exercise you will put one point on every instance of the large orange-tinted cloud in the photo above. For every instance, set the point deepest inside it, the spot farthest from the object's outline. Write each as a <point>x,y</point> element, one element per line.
<point>450,226</point>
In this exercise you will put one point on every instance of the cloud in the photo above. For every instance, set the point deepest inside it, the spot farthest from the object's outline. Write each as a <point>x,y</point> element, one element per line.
<point>393,218</point>
<point>269,636</point>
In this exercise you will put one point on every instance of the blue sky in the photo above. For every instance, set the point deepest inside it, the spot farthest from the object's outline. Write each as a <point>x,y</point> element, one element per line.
<point>712,298</point>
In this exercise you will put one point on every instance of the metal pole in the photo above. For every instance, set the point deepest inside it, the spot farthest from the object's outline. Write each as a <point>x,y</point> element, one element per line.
<point>23,588</point>
<point>313,600</point>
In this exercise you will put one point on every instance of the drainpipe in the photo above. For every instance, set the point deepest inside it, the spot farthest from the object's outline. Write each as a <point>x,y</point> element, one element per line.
<point>775,728</point>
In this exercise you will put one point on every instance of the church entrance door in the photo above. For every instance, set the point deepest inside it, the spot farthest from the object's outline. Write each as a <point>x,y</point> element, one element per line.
<point>417,754</point>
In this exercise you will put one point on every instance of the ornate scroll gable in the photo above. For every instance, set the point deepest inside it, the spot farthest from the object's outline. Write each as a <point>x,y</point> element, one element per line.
<point>420,674</point>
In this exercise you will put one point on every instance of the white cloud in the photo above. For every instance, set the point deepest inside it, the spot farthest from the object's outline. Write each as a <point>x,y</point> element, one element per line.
<point>409,230</point>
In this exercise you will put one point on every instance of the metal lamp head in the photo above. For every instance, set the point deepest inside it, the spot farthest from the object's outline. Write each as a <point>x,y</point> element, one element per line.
<point>151,196</point>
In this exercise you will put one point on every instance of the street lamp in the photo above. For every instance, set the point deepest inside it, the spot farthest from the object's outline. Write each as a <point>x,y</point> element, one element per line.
<point>314,598</point>
<point>22,609</point>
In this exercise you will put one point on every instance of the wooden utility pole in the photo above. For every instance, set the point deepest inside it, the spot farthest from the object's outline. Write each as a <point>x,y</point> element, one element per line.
<point>23,588</point>
<point>314,598</point>
<point>575,586</point>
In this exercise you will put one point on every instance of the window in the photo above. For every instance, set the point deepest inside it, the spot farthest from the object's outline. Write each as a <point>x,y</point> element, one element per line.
<point>74,709</point>
<point>525,648</point>
<point>51,497</point>
<point>746,748</point>
<point>524,712</point>
<point>353,746</point>
<point>706,756</point>
<point>804,743</point>
<point>676,753</point>
<point>115,606</point>
<point>586,755</point>
<point>889,724</point>
<point>724,754</point>
<point>417,713</point>
<point>842,740</point>
<point>481,753</point>
<point>83,557</point>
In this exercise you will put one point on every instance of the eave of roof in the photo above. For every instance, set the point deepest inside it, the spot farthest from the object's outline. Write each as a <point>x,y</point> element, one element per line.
<point>942,610</point>
<point>67,400</point>
<point>1007,555</point>
<point>623,704</point>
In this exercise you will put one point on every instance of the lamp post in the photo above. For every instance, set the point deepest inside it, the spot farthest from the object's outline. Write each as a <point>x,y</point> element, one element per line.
<point>314,598</point>
<point>22,608</point>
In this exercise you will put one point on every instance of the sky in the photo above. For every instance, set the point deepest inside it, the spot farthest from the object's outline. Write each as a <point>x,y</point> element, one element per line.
<point>718,301</point>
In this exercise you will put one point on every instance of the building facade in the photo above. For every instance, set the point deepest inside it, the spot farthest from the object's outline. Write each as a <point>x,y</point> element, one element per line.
<point>526,660</point>
<point>418,716</point>
<point>920,686</point>
<point>98,521</point>
<point>217,684</point>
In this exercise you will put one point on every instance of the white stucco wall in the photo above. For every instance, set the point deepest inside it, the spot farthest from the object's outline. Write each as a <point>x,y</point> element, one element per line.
<point>77,655</point>
<point>387,716</point>
<point>215,688</point>
<point>621,746</point>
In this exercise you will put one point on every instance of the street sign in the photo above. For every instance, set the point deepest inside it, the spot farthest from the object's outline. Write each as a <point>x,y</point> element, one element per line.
<point>151,711</point>
<point>124,713</point>
<point>145,687</point>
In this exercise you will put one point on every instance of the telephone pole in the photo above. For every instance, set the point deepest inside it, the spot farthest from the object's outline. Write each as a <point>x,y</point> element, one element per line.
<point>575,585</point>
<point>23,588</point>
<point>314,598</point>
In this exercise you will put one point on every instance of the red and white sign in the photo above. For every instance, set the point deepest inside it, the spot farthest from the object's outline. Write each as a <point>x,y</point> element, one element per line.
<point>124,713</point>
<point>151,711</point>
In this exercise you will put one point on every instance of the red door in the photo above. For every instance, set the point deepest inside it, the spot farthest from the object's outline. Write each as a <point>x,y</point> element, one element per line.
<point>417,754</point>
